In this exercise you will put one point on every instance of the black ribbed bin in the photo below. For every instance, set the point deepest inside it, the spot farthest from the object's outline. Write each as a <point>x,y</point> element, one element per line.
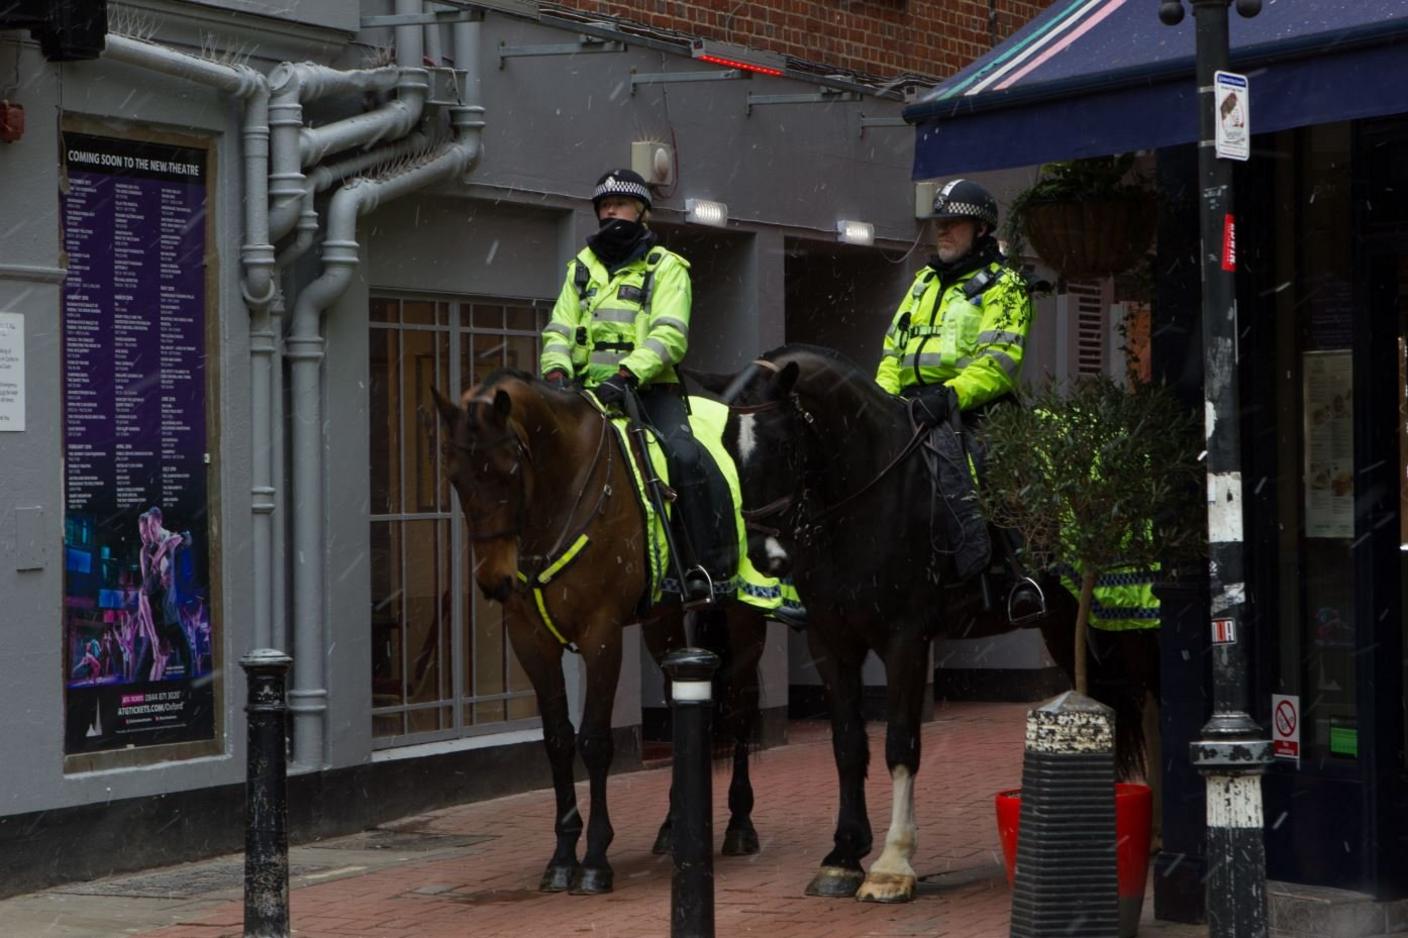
<point>1066,881</point>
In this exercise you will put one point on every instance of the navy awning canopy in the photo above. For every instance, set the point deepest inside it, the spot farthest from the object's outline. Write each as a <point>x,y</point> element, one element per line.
<point>1091,77</point>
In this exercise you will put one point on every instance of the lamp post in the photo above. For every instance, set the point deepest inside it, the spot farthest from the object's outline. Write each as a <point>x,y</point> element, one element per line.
<point>1233,753</point>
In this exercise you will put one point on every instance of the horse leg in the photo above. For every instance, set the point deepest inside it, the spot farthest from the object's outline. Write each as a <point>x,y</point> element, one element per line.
<point>541,658</point>
<point>601,649</point>
<point>747,635</point>
<point>662,635</point>
<point>839,663</point>
<point>891,877</point>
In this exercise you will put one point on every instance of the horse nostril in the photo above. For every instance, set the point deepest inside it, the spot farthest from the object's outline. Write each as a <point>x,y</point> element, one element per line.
<point>498,592</point>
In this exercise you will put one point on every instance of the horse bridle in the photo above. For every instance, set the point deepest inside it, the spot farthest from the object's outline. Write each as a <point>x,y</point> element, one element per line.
<point>805,529</point>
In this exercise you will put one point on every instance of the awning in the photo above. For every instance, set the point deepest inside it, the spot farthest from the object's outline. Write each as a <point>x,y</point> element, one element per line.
<point>1092,77</point>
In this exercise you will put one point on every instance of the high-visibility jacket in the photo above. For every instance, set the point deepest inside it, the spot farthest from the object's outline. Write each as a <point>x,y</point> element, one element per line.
<point>636,318</point>
<point>969,333</point>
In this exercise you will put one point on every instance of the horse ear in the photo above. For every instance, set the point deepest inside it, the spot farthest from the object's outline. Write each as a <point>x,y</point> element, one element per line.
<point>502,403</point>
<point>449,410</point>
<point>712,381</point>
<point>786,379</point>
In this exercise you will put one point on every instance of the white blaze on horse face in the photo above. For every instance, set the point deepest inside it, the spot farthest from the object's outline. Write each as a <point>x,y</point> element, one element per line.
<point>747,439</point>
<point>775,552</point>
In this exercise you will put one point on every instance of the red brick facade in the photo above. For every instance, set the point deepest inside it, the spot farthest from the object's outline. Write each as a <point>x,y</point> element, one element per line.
<point>883,38</point>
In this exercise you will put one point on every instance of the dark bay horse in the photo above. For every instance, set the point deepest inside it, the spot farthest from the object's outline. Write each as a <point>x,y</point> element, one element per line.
<point>837,496</point>
<point>548,500</point>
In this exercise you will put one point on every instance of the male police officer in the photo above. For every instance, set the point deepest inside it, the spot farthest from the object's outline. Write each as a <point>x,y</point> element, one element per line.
<point>956,343</point>
<point>621,323</point>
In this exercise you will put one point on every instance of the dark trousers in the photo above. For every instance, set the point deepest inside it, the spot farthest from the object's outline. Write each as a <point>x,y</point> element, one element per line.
<point>666,411</point>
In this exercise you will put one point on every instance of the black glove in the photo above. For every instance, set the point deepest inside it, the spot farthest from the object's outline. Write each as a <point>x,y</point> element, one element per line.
<point>612,392</point>
<point>557,378</point>
<point>933,406</point>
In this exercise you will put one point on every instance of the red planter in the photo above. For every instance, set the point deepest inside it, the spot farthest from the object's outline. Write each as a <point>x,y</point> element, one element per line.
<point>1134,812</point>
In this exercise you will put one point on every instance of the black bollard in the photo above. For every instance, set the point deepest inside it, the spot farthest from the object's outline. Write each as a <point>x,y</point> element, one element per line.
<point>266,796</point>
<point>691,672</point>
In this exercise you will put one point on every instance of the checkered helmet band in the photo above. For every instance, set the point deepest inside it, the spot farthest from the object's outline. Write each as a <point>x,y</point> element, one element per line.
<point>621,182</point>
<point>962,198</point>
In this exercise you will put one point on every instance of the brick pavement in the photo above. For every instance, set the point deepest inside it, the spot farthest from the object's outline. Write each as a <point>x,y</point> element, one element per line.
<point>490,889</point>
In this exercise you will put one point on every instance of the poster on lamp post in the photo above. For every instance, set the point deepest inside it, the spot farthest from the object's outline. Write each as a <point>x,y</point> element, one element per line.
<point>138,642</point>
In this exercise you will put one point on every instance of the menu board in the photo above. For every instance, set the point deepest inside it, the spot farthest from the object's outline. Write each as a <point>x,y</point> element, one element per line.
<point>1328,402</point>
<point>137,629</point>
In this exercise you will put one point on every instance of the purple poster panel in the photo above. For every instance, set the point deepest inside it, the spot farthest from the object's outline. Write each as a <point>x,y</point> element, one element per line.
<point>137,626</point>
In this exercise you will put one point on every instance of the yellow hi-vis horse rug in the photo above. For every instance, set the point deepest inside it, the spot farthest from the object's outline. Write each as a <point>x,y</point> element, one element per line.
<point>706,420</point>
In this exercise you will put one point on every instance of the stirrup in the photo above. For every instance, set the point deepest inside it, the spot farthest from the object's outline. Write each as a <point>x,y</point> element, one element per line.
<point>1025,602</point>
<point>697,589</point>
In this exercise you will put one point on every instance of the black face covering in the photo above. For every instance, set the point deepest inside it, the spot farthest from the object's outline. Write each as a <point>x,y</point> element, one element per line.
<point>620,241</point>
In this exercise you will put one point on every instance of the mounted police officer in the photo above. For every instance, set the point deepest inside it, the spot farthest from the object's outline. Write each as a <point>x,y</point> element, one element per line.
<point>621,325</point>
<point>954,348</point>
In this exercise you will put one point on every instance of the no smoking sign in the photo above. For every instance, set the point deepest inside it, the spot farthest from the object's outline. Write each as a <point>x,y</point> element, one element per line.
<point>1285,726</point>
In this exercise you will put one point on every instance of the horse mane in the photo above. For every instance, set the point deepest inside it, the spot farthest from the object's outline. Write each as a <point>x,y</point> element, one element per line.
<point>835,369</point>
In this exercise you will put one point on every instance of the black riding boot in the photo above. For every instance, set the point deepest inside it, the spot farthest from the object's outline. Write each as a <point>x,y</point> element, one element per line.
<point>665,409</point>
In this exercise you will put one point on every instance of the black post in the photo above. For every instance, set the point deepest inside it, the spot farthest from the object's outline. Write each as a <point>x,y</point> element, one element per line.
<point>1233,753</point>
<point>691,672</point>
<point>266,796</point>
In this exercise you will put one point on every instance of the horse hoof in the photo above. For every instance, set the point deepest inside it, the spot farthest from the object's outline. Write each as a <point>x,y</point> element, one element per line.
<point>664,841</point>
<point>835,882</point>
<point>592,881</point>
<point>740,842</point>
<point>558,877</point>
<point>886,887</point>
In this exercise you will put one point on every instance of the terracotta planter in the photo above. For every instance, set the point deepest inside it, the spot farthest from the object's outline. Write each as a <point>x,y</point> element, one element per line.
<point>1134,812</point>
<point>1091,238</point>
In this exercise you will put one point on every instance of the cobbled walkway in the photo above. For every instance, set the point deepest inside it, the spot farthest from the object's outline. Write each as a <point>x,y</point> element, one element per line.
<point>472,870</point>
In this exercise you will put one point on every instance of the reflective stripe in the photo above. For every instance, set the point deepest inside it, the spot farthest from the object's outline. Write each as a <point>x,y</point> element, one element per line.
<point>965,361</point>
<point>893,353</point>
<point>560,328</point>
<point>678,325</point>
<point>607,356</point>
<point>659,348</point>
<point>1004,361</point>
<point>1002,338</point>
<point>556,340</point>
<point>927,360</point>
<point>614,314</point>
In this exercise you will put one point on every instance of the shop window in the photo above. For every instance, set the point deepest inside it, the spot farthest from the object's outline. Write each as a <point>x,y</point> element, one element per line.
<point>441,662</point>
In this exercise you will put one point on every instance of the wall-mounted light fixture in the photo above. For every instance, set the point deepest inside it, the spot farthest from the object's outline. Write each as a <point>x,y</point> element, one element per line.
<point>855,232</point>
<point>705,212</point>
<point>732,55</point>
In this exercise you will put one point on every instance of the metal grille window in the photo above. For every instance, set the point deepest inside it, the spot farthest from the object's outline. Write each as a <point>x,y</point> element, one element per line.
<point>441,662</point>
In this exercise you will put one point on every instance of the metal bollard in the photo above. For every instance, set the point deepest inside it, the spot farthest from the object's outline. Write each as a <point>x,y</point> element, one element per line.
<point>691,671</point>
<point>266,796</point>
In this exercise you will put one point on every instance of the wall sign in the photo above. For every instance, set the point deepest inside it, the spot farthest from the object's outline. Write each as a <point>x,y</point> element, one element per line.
<point>1285,727</point>
<point>11,372</point>
<point>137,629</point>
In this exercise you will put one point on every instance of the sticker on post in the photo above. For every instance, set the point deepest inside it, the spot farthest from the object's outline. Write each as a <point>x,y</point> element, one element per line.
<point>1232,116</point>
<point>1224,631</point>
<point>1285,727</point>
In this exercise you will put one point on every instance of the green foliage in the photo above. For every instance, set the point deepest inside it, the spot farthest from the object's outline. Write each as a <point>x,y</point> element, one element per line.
<point>1095,178</point>
<point>1096,474</point>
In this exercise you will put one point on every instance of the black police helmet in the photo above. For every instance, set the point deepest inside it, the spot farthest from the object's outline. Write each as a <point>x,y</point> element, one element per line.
<point>623,182</point>
<point>963,198</point>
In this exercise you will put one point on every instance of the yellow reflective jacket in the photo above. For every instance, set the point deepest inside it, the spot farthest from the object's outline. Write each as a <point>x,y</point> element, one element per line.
<point>969,333</point>
<point>636,318</point>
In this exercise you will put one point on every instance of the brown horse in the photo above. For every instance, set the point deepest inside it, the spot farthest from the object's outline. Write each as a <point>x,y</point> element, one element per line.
<point>559,538</point>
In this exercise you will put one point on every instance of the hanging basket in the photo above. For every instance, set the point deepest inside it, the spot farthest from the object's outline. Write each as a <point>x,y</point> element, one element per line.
<point>1092,238</point>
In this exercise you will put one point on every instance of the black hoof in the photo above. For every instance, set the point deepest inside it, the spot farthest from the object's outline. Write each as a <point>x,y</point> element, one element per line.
<point>835,882</point>
<point>592,881</point>
<point>664,841</point>
<point>740,842</point>
<point>558,877</point>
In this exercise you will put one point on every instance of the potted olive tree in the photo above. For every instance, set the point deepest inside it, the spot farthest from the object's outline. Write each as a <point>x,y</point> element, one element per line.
<point>1100,479</point>
<point>1086,218</point>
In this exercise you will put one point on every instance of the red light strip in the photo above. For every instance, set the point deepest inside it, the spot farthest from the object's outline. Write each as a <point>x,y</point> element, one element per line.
<point>733,63</point>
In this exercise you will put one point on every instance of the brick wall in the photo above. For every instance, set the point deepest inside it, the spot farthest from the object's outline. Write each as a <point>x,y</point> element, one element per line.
<point>884,38</point>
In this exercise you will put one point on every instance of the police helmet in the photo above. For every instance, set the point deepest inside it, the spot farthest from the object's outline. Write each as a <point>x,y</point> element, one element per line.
<point>621,182</point>
<point>963,198</point>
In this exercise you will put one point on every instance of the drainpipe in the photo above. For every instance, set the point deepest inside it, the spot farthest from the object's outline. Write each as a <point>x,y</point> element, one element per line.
<point>304,347</point>
<point>258,285</point>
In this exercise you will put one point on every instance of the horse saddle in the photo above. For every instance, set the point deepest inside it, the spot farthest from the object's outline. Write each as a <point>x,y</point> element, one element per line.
<point>705,518</point>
